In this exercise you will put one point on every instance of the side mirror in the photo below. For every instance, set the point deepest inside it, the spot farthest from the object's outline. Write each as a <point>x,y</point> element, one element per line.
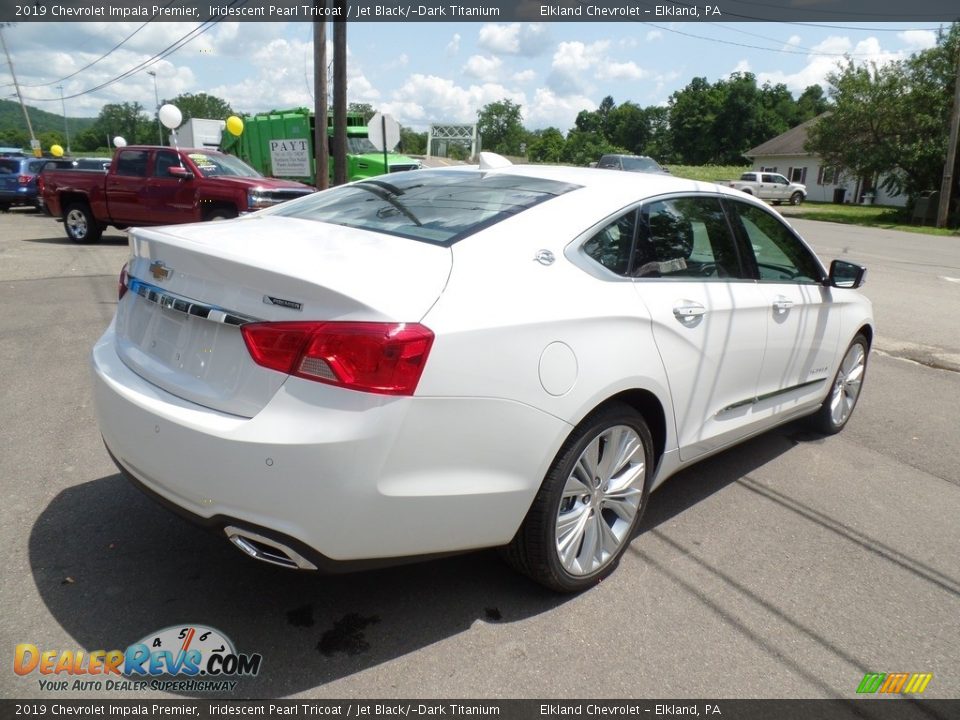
<point>845,274</point>
<point>180,172</point>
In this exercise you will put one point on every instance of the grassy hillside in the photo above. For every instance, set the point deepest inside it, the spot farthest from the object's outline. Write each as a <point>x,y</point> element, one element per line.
<point>11,118</point>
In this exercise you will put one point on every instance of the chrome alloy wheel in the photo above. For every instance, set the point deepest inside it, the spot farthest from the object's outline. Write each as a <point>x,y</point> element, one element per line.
<point>600,500</point>
<point>77,223</point>
<point>846,388</point>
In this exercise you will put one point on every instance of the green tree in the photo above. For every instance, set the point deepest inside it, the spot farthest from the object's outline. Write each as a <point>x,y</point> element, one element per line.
<point>366,108</point>
<point>585,147</point>
<point>126,120</point>
<point>892,121</point>
<point>627,125</point>
<point>546,146</point>
<point>413,143</point>
<point>812,102</point>
<point>501,128</point>
<point>693,111</point>
<point>201,105</point>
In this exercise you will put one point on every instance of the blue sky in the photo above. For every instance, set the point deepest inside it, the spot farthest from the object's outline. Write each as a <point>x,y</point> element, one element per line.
<point>437,72</point>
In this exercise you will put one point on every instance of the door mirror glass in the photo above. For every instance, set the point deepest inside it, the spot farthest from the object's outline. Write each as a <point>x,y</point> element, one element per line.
<point>845,274</point>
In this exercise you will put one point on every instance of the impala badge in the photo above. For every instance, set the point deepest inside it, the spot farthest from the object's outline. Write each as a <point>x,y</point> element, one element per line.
<point>159,270</point>
<point>283,303</point>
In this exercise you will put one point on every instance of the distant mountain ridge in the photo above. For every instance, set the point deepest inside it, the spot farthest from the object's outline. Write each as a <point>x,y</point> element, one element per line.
<point>11,118</point>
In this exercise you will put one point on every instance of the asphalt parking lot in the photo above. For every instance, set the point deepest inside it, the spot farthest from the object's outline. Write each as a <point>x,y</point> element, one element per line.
<point>787,567</point>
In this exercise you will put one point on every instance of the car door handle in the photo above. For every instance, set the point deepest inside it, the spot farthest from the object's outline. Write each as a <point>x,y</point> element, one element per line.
<point>782,304</point>
<point>689,311</point>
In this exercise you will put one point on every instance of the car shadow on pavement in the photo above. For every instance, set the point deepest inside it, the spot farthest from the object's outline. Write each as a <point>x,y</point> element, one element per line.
<point>106,239</point>
<point>691,486</point>
<point>113,567</point>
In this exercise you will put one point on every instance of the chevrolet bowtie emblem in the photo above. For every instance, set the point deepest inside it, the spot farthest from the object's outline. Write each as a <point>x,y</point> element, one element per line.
<point>159,270</point>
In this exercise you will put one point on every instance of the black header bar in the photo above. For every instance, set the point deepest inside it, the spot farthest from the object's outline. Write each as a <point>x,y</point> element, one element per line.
<point>820,11</point>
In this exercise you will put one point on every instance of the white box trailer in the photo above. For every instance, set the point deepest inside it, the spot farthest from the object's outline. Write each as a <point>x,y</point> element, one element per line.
<point>200,133</point>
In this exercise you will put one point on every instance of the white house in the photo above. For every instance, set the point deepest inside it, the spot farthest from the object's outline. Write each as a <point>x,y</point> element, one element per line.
<point>786,155</point>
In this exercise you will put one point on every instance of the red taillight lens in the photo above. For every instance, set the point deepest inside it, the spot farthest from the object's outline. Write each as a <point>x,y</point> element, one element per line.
<point>25,179</point>
<point>385,358</point>
<point>122,283</point>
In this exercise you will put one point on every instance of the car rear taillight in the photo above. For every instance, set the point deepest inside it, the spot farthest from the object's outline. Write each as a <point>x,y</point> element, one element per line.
<point>25,179</point>
<point>386,358</point>
<point>122,283</point>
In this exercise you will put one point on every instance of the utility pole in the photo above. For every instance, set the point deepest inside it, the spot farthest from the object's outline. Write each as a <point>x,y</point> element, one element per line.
<point>34,143</point>
<point>321,147</point>
<point>946,187</point>
<point>340,96</point>
<point>66,130</point>
<point>156,109</point>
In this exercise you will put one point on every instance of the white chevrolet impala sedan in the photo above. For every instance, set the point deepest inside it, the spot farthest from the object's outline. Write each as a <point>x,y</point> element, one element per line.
<point>440,360</point>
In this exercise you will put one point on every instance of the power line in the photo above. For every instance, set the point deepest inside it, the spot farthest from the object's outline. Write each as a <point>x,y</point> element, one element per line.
<point>102,57</point>
<point>169,50</point>
<point>783,50</point>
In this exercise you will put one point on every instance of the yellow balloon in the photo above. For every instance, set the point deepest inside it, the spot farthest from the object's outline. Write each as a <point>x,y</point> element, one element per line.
<point>56,151</point>
<point>234,125</point>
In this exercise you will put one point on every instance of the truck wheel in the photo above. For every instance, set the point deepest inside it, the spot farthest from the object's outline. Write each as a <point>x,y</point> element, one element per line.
<point>748,191</point>
<point>80,224</point>
<point>796,198</point>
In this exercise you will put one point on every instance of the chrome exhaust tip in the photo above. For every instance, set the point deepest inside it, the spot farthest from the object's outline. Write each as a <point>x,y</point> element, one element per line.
<point>267,549</point>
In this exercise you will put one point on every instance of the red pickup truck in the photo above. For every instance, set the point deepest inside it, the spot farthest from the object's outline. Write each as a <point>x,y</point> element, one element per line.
<point>148,185</point>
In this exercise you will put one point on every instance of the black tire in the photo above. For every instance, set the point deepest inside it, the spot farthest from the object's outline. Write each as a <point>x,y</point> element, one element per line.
<point>841,400</point>
<point>796,198</point>
<point>536,551</point>
<point>80,224</point>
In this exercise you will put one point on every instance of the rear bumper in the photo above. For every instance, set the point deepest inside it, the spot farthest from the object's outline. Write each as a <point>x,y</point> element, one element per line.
<point>338,475</point>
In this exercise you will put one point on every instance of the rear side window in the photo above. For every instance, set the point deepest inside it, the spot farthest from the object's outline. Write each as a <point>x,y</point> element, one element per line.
<point>431,206</point>
<point>9,167</point>
<point>685,238</point>
<point>132,163</point>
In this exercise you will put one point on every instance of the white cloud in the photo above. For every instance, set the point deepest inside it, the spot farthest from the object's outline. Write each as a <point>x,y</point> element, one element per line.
<point>524,76</point>
<point>741,67</point>
<point>482,67</point>
<point>826,59</point>
<point>620,71</point>
<point>918,39</point>
<point>423,99</point>
<point>527,39</point>
<point>570,64</point>
<point>549,109</point>
<point>654,35</point>
<point>792,43</point>
<point>453,47</point>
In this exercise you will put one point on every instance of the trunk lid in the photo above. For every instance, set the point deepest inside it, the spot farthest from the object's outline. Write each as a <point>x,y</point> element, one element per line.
<point>192,286</point>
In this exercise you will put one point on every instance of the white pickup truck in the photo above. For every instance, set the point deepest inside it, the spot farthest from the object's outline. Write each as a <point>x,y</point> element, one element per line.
<point>770,186</point>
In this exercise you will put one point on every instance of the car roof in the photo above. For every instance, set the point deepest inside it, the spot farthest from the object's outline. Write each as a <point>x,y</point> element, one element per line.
<point>615,182</point>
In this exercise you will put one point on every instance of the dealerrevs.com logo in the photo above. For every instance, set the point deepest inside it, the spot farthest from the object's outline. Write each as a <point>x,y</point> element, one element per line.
<point>186,658</point>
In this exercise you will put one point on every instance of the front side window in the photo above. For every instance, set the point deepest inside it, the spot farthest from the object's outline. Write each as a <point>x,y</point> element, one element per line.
<point>684,238</point>
<point>163,162</point>
<point>438,206</point>
<point>780,255</point>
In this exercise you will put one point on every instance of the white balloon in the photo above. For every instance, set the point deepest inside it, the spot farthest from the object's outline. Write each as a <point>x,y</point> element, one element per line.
<point>118,141</point>
<point>171,117</point>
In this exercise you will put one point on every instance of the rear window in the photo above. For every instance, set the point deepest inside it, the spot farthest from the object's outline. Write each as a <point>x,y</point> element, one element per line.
<point>431,206</point>
<point>10,167</point>
<point>748,176</point>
